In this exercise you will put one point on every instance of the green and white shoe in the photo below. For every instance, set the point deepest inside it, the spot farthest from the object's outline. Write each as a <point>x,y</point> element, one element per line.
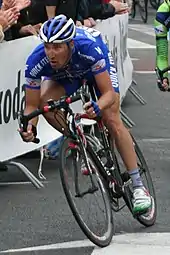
<point>141,200</point>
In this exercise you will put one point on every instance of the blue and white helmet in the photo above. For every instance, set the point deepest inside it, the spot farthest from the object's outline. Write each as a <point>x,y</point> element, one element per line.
<point>59,29</point>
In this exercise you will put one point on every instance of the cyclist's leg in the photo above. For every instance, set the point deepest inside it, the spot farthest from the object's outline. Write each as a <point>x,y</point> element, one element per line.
<point>51,89</point>
<point>124,144</point>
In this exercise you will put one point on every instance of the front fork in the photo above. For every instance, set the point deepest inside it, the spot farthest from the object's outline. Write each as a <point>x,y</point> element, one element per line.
<point>81,145</point>
<point>109,157</point>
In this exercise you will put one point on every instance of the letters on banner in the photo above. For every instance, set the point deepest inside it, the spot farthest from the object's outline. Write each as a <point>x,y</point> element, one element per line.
<point>115,33</point>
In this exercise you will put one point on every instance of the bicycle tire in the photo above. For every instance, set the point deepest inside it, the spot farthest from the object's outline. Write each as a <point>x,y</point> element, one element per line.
<point>144,16</point>
<point>99,241</point>
<point>146,221</point>
<point>155,4</point>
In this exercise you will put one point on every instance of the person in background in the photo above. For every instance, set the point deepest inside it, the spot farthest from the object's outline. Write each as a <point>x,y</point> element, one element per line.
<point>30,21</point>
<point>19,4</point>
<point>9,14</point>
<point>161,27</point>
<point>66,7</point>
<point>91,10</point>
<point>38,12</point>
<point>7,19</point>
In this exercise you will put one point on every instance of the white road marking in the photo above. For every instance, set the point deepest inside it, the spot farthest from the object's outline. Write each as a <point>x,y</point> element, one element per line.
<point>146,72</point>
<point>135,44</point>
<point>156,140</point>
<point>137,244</point>
<point>57,246</point>
<point>149,30</point>
<point>135,59</point>
<point>124,244</point>
<point>20,183</point>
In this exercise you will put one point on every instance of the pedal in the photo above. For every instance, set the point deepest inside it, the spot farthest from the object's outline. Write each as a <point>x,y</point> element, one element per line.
<point>125,176</point>
<point>115,190</point>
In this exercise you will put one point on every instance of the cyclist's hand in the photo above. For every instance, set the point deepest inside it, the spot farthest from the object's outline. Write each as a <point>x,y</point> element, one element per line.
<point>92,109</point>
<point>163,85</point>
<point>29,135</point>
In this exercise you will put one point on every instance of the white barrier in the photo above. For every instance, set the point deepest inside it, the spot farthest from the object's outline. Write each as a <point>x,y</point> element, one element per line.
<point>13,57</point>
<point>12,65</point>
<point>115,33</point>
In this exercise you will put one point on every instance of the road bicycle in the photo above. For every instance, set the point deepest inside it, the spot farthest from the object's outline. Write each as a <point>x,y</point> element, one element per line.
<point>104,177</point>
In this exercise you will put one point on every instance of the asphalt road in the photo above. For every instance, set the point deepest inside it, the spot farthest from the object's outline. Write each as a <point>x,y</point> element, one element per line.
<point>30,217</point>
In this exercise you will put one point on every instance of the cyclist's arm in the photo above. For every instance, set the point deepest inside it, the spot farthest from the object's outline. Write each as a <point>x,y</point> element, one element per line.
<point>104,84</point>
<point>160,25</point>
<point>102,77</point>
<point>32,97</point>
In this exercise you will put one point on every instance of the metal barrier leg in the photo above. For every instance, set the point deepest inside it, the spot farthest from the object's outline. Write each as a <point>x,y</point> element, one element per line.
<point>3,167</point>
<point>126,122</point>
<point>134,82</point>
<point>136,94</point>
<point>25,171</point>
<point>126,119</point>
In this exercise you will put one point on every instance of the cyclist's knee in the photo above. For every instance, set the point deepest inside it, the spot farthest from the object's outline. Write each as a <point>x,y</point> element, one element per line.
<point>113,121</point>
<point>116,126</point>
<point>50,90</point>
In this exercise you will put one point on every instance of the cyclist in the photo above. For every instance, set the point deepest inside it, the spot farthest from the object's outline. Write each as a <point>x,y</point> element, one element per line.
<point>161,27</point>
<point>67,55</point>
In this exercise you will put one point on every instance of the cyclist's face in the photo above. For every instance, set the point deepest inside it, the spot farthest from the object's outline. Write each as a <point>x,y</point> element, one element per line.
<point>57,54</point>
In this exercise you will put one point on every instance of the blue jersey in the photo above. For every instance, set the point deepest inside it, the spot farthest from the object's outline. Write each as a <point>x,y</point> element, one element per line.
<point>90,56</point>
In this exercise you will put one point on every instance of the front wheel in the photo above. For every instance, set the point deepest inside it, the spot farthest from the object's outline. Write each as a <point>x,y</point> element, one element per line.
<point>86,193</point>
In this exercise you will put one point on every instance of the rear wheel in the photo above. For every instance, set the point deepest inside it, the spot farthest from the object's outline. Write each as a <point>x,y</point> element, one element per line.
<point>149,218</point>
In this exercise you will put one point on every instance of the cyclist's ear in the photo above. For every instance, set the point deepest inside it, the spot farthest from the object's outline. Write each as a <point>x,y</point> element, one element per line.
<point>71,44</point>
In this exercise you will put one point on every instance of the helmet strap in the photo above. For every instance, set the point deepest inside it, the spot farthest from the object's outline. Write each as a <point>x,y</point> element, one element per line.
<point>69,56</point>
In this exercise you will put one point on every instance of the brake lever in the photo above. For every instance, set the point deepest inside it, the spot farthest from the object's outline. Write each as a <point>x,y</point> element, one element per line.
<point>23,123</point>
